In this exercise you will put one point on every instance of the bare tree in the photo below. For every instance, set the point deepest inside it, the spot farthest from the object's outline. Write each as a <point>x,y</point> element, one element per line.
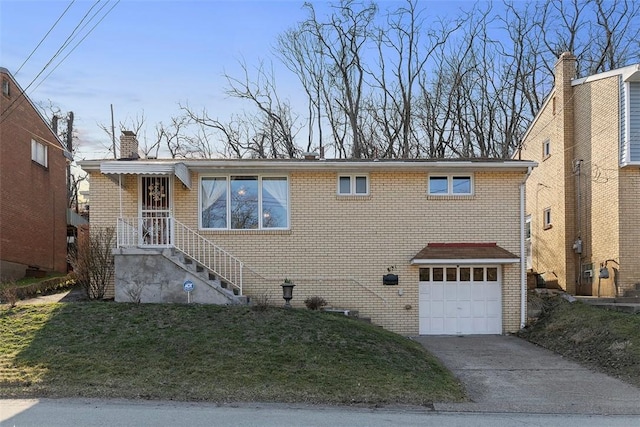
<point>400,44</point>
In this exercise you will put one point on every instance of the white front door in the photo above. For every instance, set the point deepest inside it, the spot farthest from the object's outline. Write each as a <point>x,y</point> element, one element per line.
<point>155,210</point>
<point>456,300</point>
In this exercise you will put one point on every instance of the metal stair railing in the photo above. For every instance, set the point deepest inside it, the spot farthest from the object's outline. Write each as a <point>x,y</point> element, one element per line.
<point>208,254</point>
<point>167,232</point>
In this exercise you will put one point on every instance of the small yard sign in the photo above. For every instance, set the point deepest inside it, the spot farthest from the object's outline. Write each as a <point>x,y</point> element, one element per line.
<point>188,286</point>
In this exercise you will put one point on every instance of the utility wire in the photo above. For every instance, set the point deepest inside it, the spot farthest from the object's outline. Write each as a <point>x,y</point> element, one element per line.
<point>71,37</point>
<point>81,40</point>
<point>45,36</point>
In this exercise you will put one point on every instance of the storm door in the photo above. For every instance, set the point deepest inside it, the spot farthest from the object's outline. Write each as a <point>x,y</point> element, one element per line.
<point>155,210</point>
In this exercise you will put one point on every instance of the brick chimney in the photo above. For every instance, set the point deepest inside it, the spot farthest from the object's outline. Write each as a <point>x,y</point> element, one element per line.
<point>128,146</point>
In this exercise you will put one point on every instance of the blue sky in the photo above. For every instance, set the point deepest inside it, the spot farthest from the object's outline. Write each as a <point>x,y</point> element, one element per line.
<point>147,56</point>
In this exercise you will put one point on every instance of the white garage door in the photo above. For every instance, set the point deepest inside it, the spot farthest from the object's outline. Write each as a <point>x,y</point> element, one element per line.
<point>460,300</point>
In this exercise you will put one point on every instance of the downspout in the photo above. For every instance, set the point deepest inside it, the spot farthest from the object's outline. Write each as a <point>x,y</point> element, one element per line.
<point>523,254</point>
<point>120,192</point>
<point>118,236</point>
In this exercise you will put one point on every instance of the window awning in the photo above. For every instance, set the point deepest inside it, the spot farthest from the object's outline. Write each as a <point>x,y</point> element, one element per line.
<point>464,253</point>
<point>180,170</point>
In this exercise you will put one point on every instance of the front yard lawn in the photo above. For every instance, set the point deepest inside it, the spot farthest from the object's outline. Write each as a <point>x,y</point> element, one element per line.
<point>212,353</point>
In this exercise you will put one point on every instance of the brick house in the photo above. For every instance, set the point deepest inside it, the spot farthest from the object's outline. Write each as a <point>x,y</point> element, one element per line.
<point>33,191</point>
<point>424,246</point>
<point>582,199</point>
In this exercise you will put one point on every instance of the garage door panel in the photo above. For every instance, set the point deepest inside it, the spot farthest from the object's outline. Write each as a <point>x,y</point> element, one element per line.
<point>479,309</point>
<point>436,309</point>
<point>464,308</point>
<point>463,291</point>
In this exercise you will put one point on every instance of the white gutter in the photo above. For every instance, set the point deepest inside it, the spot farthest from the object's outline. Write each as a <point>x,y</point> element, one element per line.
<point>523,254</point>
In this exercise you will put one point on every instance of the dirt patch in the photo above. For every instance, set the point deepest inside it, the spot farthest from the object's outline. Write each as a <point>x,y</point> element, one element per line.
<point>604,340</point>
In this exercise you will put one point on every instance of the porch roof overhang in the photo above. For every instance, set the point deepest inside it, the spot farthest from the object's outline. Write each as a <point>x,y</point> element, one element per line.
<point>464,253</point>
<point>178,169</point>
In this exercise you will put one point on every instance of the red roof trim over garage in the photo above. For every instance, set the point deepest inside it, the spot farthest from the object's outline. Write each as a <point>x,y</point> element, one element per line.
<point>484,253</point>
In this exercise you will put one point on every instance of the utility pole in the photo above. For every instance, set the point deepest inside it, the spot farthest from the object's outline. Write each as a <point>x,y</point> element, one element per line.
<point>69,141</point>
<point>113,135</point>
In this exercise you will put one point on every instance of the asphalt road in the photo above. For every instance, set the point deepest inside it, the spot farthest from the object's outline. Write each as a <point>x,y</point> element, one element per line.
<point>103,413</point>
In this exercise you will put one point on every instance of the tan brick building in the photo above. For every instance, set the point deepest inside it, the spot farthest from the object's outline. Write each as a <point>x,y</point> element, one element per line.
<point>33,190</point>
<point>582,198</point>
<point>430,247</point>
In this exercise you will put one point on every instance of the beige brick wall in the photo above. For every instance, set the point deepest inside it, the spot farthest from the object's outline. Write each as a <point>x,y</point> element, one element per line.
<point>340,247</point>
<point>629,218</point>
<point>608,220</point>
<point>546,190</point>
<point>596,142</point>
<point>106,200</point>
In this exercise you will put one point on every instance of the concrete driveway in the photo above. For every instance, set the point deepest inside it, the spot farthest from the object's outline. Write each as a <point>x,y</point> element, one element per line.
<point>509,374</point>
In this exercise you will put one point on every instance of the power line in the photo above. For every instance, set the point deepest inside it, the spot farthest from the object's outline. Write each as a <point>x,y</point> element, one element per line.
<point>8,111</point>
<point>81,40</point>
<point>45,36</point>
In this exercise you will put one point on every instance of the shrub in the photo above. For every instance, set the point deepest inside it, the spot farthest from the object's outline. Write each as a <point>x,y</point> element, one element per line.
<point>315,303</point>
<point>9,293</point>
<point>260,303</point>
<point>92,261</point>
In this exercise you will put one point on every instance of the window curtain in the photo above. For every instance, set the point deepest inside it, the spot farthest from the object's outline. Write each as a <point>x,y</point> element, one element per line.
<point>278,188</point>
<point>212,190</point>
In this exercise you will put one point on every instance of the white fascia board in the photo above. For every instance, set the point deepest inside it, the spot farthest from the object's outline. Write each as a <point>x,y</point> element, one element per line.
<point>270,165</point>
<point>465,261</point>
<point>266,166</point>
<point>629,73</point>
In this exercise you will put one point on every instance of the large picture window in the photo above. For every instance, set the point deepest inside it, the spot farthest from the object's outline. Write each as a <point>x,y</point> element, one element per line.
<point>244,202</point>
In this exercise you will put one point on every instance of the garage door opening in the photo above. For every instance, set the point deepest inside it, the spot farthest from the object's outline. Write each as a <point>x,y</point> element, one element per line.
<point>460,300</point>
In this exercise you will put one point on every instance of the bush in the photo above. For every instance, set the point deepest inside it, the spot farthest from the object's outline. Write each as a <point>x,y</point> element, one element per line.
<point>8,293</point>
<point>92,261</point>
<point>315,303</point>
<point>260,303</point>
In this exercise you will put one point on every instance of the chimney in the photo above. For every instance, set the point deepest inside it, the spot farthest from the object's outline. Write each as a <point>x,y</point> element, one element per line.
<point>565,70</point>
<point>128,146</point>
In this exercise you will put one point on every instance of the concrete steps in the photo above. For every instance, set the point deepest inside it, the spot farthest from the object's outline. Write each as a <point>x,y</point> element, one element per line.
<point>355,314</point>
<point>624,304</point>
<point>207,276</point>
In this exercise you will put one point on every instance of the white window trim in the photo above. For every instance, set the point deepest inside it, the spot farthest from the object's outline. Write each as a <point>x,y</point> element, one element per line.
<point>352,182</point>
<point>40,153</point>
<point>450,177</point>
<point>546,214</point>
<point>227,177</point>
<point>458,266</point>
<point>546,148</point>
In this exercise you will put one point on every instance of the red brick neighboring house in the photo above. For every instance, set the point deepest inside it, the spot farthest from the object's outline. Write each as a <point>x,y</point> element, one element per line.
<point>33,193</point>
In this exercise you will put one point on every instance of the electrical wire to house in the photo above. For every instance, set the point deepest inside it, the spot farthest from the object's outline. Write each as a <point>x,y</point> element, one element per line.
<point>86,20</point>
